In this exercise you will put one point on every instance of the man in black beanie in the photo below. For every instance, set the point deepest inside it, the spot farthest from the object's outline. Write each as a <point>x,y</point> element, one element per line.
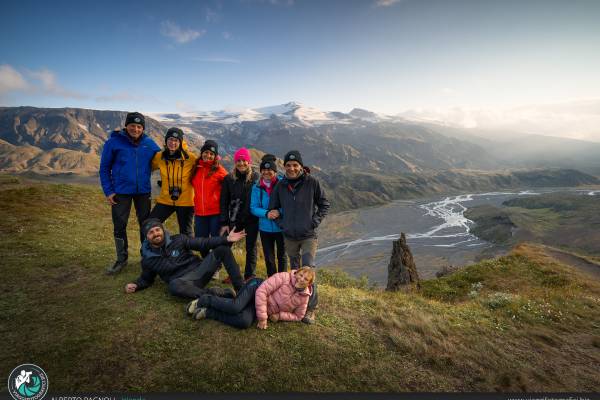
<point>172,259</point>
<point>125,170</point>
<point>303,206</point>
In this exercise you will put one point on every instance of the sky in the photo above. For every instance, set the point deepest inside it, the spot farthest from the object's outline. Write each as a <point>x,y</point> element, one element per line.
<point>426,57</point>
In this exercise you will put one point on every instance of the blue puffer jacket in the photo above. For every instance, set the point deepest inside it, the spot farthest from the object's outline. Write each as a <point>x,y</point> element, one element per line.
<point>125,167</point>
<point>259,206</point>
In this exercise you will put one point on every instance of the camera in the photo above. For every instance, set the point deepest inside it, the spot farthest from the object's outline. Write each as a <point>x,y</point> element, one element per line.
<point>175,192</point>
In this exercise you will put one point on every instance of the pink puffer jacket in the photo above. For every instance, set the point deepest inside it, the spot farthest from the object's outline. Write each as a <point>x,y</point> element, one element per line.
<point>278,295</point>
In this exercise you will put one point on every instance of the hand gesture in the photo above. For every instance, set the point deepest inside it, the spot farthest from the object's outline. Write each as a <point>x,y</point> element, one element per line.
<point>111,199</point>
<point>235,236</point>
<point>262,324</point>
<point>130,288</point>
<point>273,214</point>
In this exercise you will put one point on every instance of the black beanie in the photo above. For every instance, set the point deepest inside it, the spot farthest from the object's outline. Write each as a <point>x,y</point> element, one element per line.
<point>210,145</point>
<point>174,133</point>
<point>135,118</point>
<point>149,224</point>
<point>293,155</point>
<point>268,161</point>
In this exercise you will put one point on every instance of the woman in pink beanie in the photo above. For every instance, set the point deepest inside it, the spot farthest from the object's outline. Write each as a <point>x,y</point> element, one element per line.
<point>235,205</point>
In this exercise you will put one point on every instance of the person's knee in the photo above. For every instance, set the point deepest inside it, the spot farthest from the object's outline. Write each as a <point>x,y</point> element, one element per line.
<point>221,251</point>
<point>175,286</point>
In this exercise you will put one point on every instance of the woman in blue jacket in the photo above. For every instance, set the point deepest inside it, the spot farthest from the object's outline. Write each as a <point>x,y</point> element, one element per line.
<point>270,233</point>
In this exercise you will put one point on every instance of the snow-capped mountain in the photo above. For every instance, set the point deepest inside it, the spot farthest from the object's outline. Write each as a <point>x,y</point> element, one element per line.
<point>292,112</point>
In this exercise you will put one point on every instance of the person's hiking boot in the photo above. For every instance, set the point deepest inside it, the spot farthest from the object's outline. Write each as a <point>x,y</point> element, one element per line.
<point>116,267</point>
<point>310,317</point>
<point>121,249</point>
<point>191,307</point>
<point>222,292</point>
<point>200,313</point>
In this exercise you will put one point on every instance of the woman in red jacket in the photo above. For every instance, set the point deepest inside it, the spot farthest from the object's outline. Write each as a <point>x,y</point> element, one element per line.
<point>207,183</point>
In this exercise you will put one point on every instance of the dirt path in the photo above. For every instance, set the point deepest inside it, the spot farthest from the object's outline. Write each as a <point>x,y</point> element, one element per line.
<point>578,262</point>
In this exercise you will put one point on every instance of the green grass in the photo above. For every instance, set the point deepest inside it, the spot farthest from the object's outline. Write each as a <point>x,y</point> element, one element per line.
<point>521,322</point>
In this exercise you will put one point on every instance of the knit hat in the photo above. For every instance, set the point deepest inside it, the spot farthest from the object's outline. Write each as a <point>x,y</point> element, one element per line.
<point>268,161</point>
<point>149,224</point>
<point>174,133</point>
<point>293,155</point>
<point>210,145</point>
<point>242,154</point>
<point>135,118</point>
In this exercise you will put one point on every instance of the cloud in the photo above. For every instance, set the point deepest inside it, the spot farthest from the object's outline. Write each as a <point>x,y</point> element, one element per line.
<point>227,35</point>
<point>448,91</point>
<point>386,3</point>
<point>211,15</point>
<point>218,60</point>
<point>11,80</point>
<point>272,2</point>
<point>42,82</point>
<point>49,86</point>
<point>175,32</point>
<point>121,96</point>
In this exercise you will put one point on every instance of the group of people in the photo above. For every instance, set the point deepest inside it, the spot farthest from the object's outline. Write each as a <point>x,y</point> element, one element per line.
<point>214,209</point>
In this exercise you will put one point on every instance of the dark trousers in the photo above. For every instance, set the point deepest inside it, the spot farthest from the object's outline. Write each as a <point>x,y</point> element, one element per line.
<point>238,312</point>
<point>269,240</point>
<point>121,210</point>
<point>191,284</point>
<point>251,238</point>
<point>313,300</point>
<point>185,216</point>
<point>207,226</point>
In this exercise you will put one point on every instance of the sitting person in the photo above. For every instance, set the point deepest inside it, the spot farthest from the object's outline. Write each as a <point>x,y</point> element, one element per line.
<point>172,259</point>
<point>282,297</point>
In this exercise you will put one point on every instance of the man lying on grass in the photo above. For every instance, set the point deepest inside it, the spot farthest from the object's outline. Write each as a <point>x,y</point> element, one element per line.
<point>172,259</point>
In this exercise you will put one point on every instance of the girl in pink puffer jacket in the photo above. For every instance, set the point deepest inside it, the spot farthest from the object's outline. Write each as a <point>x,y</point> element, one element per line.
<point>282,297</point>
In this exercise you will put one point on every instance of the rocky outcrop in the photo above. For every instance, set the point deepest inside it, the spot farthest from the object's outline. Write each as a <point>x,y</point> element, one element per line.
<point>402,270</point>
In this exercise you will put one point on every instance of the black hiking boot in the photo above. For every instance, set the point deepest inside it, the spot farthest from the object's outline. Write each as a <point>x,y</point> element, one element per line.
<point>310,317</point>
<point>116,267</point>
<point>121,249</point>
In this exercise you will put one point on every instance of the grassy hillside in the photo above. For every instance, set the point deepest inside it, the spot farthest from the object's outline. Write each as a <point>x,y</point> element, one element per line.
<point>567,220</point>
<point>519,323</point>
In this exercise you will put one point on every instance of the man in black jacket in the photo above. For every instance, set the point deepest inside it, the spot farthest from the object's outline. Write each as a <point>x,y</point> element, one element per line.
<point>172,259</point>
<point>299,205</point>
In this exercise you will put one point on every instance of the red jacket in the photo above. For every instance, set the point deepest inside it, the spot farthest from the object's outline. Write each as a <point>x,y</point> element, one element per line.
<point>207,189</point>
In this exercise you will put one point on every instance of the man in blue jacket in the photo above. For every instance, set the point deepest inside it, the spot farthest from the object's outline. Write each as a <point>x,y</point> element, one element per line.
<point>125,170</point>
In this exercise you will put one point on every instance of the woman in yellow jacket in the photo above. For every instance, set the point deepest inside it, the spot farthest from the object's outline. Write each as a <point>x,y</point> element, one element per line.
<point>176,166</point>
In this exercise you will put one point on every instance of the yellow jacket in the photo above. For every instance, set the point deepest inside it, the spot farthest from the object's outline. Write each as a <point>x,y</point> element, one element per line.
<point>176,173</point>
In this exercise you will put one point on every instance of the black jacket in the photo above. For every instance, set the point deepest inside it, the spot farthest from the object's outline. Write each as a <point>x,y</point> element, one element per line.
<point>302,205</point>
<point>235,202</point>
<point>174,258</point>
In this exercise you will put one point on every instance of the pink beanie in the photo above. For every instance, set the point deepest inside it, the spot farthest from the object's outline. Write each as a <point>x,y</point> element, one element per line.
<point>242,154</point>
